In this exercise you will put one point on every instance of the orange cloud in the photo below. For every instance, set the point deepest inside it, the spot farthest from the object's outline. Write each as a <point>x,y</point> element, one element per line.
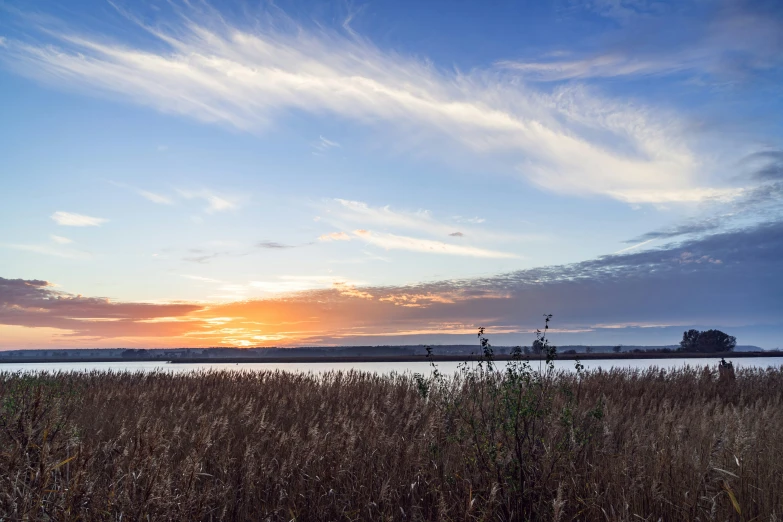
<point>350,290</point>
<point>335,236</point>
<point>303,317</point>
<point>417,300</point>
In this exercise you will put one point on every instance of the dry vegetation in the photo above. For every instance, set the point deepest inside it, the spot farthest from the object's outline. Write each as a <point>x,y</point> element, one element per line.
<point>685,445</point>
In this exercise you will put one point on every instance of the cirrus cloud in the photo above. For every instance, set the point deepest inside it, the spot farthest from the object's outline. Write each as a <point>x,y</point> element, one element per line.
<point>396,242</point>
<point>215,202</point>
<point>206,67</point>
<point>70,219</point>
<point>334,236</point>
<point>61,240</point>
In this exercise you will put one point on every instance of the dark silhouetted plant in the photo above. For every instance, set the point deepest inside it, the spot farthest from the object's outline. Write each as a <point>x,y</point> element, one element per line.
<point>522,425</point>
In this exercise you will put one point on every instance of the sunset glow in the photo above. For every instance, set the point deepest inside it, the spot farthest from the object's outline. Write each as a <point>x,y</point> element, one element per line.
<point>179,175</point>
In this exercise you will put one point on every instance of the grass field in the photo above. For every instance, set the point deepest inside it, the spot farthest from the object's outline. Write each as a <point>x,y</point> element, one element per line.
<point>512,445</point>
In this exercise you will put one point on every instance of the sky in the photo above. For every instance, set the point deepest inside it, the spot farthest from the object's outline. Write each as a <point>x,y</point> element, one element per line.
<point>186,173</point>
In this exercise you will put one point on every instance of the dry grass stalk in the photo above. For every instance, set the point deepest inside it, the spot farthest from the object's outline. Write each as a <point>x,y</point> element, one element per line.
<point>681,445</point>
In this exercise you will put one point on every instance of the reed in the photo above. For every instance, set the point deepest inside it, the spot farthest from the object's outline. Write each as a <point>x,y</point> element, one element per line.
<point>617,445</point>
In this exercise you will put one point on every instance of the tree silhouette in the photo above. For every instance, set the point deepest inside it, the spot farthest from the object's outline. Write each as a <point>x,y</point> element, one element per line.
<point>690,340</point>
<point>708,341</point>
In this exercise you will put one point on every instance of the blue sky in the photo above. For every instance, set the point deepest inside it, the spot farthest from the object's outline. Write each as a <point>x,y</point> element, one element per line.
<point>257,155</point>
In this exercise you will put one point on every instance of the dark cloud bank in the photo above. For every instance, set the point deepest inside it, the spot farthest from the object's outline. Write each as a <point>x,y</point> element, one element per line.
<point>34,303</point>
<point>731,279</point>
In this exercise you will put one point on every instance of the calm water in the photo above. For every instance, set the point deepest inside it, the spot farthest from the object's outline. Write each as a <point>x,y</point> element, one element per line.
<point>447,368</point>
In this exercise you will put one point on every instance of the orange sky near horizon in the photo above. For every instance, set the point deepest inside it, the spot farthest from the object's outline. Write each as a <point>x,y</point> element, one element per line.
<point>45,317</point>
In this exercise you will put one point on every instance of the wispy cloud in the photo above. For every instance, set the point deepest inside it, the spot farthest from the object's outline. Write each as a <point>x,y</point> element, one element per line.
<point>359,212</point>
<point>381,226</point>
<point>601,66</point>
<point>343,212</point>
<point>273,245</point>
<point>634,247</point>
<point>146,194</point>
<point>156,198</point>
<point>348,214</point>
<point>291,284</point>
<point>472,221</point>
<point>48,250</point>
<point>731,41</point>
<point>213,250</point>
<point>201,278</point>
<point>334,236</point>
<point>215,202</point>
<point>216,71</point>
<point>623,9</point>
<point>686,229</point>
<point>325,144</point>
<point>202,258</point>
<point>61,240</point>
<point>765,165</point>
<point>757,205</point>
<point>70,219</point>
<point>395,242</point>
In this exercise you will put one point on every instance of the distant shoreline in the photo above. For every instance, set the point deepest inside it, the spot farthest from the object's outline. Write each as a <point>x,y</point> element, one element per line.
<point>387,358</point>
<point>470,358</point>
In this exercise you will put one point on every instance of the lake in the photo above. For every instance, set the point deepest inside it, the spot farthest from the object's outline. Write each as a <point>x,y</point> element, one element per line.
<point>446,368</point>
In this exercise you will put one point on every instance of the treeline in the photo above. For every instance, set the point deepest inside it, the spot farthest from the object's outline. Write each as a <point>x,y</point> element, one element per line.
<point>708,341</point>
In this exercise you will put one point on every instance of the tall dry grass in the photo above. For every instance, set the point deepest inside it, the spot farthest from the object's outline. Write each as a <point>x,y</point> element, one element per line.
<point>620,445</point>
